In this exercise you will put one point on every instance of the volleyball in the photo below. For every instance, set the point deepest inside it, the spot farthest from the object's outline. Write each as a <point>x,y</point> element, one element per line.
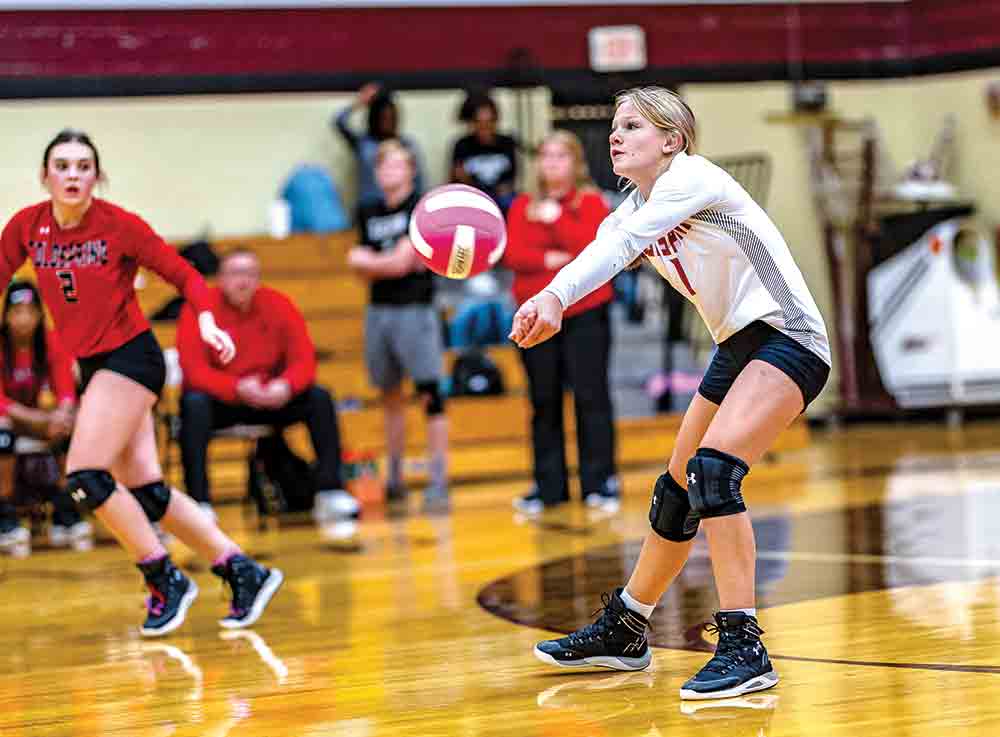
<point>458,231</point>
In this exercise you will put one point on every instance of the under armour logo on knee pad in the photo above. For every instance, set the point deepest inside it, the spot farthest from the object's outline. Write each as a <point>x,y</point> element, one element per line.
<point>692,479</point>
<point>79,495</point>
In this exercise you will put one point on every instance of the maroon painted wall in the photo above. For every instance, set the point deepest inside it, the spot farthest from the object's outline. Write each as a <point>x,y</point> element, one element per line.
<point>425,47</point>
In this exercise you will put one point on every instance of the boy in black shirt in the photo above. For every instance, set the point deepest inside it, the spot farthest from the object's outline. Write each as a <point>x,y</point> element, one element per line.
<point>402,334</point>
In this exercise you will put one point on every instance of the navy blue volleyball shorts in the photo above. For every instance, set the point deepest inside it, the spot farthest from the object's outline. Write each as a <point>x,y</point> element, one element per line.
<point>758,341</point>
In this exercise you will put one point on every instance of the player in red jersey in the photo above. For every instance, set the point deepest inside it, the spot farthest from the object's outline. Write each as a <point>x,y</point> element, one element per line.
<point>31,360</point>
<point>86,252</point>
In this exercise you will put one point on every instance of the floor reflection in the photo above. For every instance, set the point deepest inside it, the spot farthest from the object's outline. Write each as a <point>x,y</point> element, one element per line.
<point>745,716</point>
<point>259,645</point>
<point>620,704</point>
<point>911,539</point>
<point>161,655</point>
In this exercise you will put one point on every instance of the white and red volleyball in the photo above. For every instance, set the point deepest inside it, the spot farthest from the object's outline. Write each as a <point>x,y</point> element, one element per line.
<point>458,231</point>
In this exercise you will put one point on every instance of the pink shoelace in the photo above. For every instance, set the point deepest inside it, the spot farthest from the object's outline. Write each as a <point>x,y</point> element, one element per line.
<point>156,601</point>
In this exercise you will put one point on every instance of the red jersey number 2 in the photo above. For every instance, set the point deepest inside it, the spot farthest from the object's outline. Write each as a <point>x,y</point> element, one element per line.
<point>67,280</point>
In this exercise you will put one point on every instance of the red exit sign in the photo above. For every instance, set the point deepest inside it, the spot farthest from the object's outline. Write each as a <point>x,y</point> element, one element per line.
<point>617,48</point>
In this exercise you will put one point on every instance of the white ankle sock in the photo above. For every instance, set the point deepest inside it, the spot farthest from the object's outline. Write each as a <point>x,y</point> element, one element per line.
<point>646,610</point>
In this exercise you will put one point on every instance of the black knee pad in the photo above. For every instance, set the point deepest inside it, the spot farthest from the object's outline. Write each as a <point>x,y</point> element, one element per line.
<point>7,440</point>
<point>154,499</point>
<point>432,393</point>
<point>670,514</point>
<point>714,480</point>
<point>90,487</point>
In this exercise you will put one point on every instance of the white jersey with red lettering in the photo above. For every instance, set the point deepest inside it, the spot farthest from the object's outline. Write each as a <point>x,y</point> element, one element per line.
<point>705,235</point>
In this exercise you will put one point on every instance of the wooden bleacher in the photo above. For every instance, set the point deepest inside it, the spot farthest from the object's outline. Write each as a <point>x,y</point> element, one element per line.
<point>489,436</point>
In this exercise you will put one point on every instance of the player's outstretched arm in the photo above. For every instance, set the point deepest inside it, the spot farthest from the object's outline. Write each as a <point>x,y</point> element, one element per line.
<point>596,265</point>
<point>537,320</point>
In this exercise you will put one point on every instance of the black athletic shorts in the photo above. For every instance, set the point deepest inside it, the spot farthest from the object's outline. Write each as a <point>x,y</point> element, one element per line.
<point>758,341</point>
<point>140,359</point>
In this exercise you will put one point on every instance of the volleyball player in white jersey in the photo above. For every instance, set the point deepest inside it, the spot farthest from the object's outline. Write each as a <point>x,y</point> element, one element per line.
<point>706,236</point>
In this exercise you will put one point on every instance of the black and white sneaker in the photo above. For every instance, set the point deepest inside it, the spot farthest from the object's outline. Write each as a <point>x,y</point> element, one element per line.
<point>13,537</point>
<point>740,664</point>
<point>171,594</point>
<point>78,536</point>
<point>607,498</point>
<point>616,640</point>
<point>531,503</point>
<point>331,505</point>
<point>252,585</point>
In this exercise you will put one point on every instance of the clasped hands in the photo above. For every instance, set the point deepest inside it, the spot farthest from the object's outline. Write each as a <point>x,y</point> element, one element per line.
<point>537,320</point>
<point>275,394</point>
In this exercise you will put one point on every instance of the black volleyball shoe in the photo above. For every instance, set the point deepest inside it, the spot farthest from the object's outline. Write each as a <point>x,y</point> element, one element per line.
<point>171,594</point>
<point>252,586</point>
<point>616,640</point>
<point>740,664</point>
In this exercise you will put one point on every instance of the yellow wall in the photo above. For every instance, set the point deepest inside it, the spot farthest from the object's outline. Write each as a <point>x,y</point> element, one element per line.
<point>187,163</point>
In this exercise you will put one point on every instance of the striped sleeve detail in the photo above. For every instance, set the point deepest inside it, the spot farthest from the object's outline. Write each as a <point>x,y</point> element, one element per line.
<point>795,319</point>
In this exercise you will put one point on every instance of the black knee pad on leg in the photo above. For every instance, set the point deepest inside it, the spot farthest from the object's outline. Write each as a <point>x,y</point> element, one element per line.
<point>154,499</point>
<point>670,514</point>
<point>90,487</point>
<point>714,480</point>
<point>432,393</point>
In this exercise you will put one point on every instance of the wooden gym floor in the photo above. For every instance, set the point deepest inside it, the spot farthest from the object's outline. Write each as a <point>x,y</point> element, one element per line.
<point>878,582</point>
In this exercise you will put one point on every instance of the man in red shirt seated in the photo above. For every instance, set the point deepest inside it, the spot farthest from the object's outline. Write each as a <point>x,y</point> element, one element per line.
<point>271,381</point>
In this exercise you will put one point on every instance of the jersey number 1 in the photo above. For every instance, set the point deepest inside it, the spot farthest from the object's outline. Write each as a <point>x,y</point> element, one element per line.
<point>671,251</point>
<point>67,279</point>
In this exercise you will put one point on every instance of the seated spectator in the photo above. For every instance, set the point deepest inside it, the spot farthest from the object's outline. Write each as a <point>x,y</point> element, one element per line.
<point>402,331</point>
<point>545,231</point>
<point>31,359</point>
<point>485,159</point>
<point>383,124</point>
<point>271,381</point>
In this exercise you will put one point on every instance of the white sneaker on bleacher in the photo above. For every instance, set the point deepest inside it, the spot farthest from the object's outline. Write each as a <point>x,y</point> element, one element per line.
<point>76,536</point>
<point>15,540</point>
<point>335,504</point>
<point>606,499</point>
<point>531,503</point>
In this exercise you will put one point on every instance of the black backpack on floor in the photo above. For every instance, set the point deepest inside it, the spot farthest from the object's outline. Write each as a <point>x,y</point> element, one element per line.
<point>475,375</point>
<point>278,480</point>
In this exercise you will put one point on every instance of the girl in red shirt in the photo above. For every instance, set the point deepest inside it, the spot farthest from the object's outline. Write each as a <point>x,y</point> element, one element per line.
<point>86,252</point>
<point>31,358</point>
<point>544,233</point>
